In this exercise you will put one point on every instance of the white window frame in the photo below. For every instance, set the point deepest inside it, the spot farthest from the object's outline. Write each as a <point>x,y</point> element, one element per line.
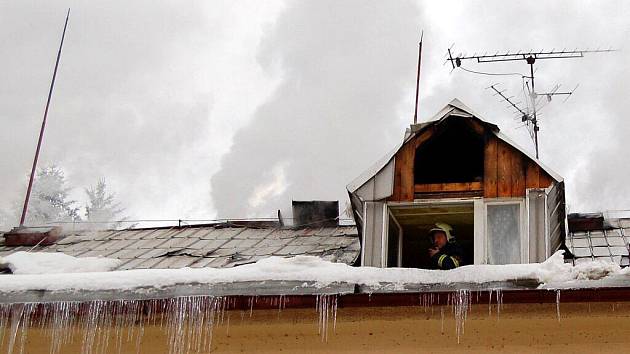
<point>479,256</point>
<point>387,214</point>
<point>524,230</point>
<point>479,224</point>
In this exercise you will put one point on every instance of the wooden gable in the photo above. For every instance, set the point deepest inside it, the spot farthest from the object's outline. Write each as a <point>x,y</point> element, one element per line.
<point>507,172</point>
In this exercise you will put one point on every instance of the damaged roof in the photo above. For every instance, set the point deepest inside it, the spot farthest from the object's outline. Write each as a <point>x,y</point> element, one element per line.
<point>453,108</point>
<point>217,245</point>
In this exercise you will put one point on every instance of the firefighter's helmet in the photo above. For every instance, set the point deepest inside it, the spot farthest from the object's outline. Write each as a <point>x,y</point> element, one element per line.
<point>443,227</point>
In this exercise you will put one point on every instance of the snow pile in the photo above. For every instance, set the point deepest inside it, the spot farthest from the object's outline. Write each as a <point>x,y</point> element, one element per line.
<point>555,270</point>
<point>49,263</point>
<point>300,268</point>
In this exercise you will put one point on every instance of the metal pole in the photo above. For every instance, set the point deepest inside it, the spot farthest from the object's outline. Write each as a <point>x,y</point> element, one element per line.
<point>531,61</point>
<point>41,132</point>
<point>415,114</point>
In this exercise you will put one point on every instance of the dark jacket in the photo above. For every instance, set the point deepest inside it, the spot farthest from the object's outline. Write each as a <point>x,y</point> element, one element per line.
<point>450,256</point>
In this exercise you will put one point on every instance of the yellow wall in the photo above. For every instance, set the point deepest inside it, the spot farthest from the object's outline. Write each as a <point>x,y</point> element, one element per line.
<point>520,328</point>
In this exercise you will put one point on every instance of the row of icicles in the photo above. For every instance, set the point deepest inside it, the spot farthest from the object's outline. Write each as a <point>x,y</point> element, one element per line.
<point>187,321</point>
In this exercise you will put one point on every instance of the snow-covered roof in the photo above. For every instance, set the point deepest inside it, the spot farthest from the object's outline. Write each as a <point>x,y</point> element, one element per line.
<point>610,243</point>
<point>305,275</point>
<point>453,108</point>
<point>218,246</point>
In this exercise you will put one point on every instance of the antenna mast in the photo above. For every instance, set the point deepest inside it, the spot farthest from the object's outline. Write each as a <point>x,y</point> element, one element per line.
<point>415,113</point>
<point>41,132</point>
<point>530,58</point>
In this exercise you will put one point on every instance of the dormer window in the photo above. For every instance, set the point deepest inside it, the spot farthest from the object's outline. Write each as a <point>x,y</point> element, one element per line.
<point>453,155</point>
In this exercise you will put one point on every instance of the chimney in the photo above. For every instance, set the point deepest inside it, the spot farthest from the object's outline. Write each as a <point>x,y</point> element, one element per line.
<point>315,213</point>
<point>31,236</point>
<point>585,221</point>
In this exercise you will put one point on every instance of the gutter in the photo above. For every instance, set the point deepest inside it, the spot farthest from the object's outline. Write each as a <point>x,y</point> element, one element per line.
<point>298,294</point>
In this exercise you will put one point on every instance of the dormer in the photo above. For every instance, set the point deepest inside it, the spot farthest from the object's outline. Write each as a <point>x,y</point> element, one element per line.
<point>504,205</point>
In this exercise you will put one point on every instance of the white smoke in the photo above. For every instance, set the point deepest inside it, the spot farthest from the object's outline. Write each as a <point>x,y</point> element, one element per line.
<point>344,70</point>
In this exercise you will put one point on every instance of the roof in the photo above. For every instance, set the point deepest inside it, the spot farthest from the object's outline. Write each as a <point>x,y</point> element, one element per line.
<point>453,108</point>
<point>218,245</point>
<point>609,243</point>
<point>302,275</point>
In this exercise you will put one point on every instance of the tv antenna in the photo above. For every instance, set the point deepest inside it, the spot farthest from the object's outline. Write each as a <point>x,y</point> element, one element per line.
<point>530,57</point>
<point>555,92</point>
<point>524,115</point>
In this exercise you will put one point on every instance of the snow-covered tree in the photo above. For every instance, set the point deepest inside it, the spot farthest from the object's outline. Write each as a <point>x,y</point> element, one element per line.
<point>49,201</point>
<point>102,210</point>
<point>6,220</point>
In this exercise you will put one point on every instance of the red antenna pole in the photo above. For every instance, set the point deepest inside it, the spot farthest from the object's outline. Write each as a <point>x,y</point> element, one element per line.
<point>415,114</point>
<point>41,132</point>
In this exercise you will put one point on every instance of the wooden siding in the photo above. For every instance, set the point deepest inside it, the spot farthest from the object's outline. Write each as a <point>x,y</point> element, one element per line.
<point>450,190</point>
<point>403,169</point>
<point>507,171</point>
<point>448,187</point>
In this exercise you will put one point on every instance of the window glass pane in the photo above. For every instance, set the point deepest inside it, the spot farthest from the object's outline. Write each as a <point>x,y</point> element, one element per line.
<point>504,237</point>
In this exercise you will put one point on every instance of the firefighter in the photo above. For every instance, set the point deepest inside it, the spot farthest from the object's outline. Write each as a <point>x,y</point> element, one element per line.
<point>444,253</point>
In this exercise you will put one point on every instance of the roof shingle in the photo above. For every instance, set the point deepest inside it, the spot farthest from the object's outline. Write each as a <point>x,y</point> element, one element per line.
<point>218,245</point>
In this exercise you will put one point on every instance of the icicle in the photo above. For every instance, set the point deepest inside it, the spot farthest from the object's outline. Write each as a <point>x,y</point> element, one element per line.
<point>461,306</point>
<point>61,316</point>
<point>326,305</point>
<point>426,301</point>
<point>16,316</point>
<point>442,319</point>
<point>499,295</point>
<point>490,303</point>
<point>5,311</point>
<point>322,310</point>
<point>558,304</point>
<point>335,302</point>
<point>25,324</point>
<point>90,325</point>
<point>190,322</point>
<point>251,305</point>
<point>280,304</point>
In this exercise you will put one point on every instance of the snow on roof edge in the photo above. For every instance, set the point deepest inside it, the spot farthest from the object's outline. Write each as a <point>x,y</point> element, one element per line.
<point>314,269</point>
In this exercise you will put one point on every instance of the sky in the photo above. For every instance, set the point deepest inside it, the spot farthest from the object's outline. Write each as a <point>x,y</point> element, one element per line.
<point>231,109</point>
